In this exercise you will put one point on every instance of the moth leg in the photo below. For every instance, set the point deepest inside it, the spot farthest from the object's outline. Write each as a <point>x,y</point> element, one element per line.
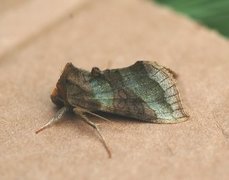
<point>94,114</point>
<point>86,120</point>
<point>55,119</point>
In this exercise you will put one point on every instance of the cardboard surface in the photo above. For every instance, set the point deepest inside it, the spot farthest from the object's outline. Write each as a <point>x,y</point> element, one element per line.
<point>116,34</point>
<point>26,20</point>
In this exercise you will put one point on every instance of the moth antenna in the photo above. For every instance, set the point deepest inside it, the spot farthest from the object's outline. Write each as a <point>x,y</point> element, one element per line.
<point>55,119</point>
<point>86,120</point>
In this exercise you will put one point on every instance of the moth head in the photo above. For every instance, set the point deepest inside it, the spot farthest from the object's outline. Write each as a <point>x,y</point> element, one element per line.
<point>58,95</point>
<point>72,82</point>
<point>57,98</point>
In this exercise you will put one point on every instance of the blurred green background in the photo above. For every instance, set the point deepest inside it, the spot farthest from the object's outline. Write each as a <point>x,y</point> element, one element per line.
<point>212,13</point>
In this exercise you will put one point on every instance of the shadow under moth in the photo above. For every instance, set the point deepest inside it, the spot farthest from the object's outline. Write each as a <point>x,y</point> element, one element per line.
<point>145,91</point>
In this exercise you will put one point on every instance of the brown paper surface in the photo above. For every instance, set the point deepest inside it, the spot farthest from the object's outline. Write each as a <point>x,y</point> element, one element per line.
<point>115,34</point>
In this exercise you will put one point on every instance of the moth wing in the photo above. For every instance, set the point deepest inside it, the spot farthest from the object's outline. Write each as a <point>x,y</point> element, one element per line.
<point>145,91</point>
<point>155,85</point>
<point>117,99</point>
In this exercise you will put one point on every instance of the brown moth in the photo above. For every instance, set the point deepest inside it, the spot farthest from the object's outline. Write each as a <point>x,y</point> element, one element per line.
<point>145,91</point>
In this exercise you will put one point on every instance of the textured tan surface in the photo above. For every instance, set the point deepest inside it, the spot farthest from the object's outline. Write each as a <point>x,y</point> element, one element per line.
<point>6,5</point>
<point>116,34</point>
<point>26,21</point>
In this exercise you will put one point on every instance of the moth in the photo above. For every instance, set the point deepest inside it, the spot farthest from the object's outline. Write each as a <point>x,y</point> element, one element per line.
<point>145,91</point>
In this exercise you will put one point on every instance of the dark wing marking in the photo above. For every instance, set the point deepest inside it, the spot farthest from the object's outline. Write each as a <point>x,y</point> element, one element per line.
<point>116,98</point>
